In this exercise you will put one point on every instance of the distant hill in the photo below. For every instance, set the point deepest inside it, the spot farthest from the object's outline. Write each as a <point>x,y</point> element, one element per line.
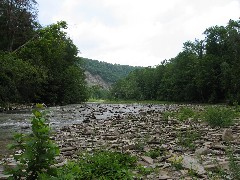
<point>96,71</point>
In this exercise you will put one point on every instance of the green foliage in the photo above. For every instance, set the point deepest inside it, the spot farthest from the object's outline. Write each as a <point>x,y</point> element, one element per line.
<point>155,153</point>
<point>184,113</point>
<point>53,51</point>
<point>96,93</point>
<point>140,146</point>
<point>144,170</point>
<point>19,79</point>
<point>37,151</point>
<point>167,114</point>
<point>17,23</point>
<point>205,71</point>
<point>108,72</point>
<point>176,161</point>
<point>100,165</point>
<point>233,165</point>
<point>219,116</point>
<point>46,69</point>
<point>187,138</point>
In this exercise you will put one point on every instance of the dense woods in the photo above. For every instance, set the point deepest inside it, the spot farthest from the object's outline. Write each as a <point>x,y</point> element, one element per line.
<point>110,73</point>
<point>37,64</point>
<point>205,71</point>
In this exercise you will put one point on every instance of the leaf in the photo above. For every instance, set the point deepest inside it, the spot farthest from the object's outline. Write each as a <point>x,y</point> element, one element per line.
<point>37,113</point>
<point>38,105</point>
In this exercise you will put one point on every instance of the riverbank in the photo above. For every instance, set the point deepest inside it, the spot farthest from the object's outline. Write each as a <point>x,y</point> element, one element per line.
<point>171,148</point>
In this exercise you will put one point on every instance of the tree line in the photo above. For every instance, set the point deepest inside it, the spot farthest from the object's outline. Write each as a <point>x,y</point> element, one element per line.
<point>110,73</point>
<point>37,64</point>
<point>206,70</point>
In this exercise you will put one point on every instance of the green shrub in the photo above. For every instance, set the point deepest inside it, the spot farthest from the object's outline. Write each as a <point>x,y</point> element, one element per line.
<point>144,170</point>
<point>37,150</point>
<point>183,114</point>
<point>100,165</point>
<point>219,116</point>
<point>154,153</point>
<point>167,114</point>
<point>233,165</point>
<point>187,138</point>
<point>176,161</point>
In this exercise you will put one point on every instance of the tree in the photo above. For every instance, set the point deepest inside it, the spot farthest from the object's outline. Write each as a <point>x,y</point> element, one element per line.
<point>17,23</point>
<point>54,52</point>
<point>19,80</point>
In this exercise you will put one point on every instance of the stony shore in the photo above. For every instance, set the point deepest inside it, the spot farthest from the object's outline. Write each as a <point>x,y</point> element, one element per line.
<point>147,131</point>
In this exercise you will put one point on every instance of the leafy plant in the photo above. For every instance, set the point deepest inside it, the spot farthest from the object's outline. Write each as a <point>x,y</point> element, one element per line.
<point>154,153</point>
<point>187,138</point>
<point>233,165</point>
<point>37,151</point>
<point>167,114</point>
<point>219,116</point>
<point>99,165</point>
<point>144,170</point>
<point>176,161</point>
<point>140,146</point>
<point>185,113</point>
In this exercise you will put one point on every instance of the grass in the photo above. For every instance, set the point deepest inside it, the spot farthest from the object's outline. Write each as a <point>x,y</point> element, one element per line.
<point>176,162</point>
<point>182,114</point>
<point>233,165</point>
<point>219,116</point>
<point>187,138</point>
<point>144,170</point>
<point>155,153</point>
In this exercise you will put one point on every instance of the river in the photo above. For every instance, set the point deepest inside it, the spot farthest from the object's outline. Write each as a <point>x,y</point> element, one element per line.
<point>59,116</point>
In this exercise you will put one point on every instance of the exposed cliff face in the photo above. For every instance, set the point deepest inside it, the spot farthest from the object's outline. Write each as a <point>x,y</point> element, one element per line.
<point>96,80</point>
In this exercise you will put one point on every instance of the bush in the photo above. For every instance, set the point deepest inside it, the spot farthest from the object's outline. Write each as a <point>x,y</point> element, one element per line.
<point>183,114</point>
<point>37,151</point>
<point>100,165</point>
<point>234,165</point>
<point>155,153</point>
<point>219,116</point>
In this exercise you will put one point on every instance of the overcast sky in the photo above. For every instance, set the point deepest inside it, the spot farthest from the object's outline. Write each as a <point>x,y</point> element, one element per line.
<point>136,32</point>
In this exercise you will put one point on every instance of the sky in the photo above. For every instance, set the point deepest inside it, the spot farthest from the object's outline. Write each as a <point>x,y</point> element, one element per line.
<point>136,32</point>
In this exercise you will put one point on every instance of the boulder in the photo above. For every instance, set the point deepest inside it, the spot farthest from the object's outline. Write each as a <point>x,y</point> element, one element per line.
<point>227,135</point>
<point>147,159</point>
<point>202,151</point>
<point>189,162</point>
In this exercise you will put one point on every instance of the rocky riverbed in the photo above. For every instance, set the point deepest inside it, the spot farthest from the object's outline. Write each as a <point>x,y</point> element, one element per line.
<point>142,129</point>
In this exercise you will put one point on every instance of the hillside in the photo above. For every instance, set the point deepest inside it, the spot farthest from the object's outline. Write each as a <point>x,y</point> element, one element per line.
<point>96,71</point>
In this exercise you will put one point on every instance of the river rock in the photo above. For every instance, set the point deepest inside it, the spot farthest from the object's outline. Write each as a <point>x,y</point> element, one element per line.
<point>4,177</point>
<point>227,135</point>
<point>68,149</point>
<point>202,151</point>
<point>213,167</point>
<point>189,162</point>
<point>163,175</point>
<point>147,159</point>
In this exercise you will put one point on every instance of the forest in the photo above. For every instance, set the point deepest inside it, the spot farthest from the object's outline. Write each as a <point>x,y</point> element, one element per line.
<point>37,64</point>
<point>110,73</point>
<point>205,71</point>
<point>41,64</point>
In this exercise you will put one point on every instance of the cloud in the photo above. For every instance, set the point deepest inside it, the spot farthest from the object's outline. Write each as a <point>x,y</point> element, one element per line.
<point>136,32</point>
